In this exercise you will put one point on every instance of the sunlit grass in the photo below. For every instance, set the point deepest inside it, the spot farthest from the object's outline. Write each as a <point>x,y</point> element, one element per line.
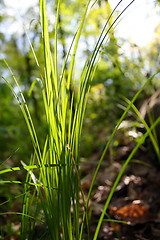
<point>57,187</point>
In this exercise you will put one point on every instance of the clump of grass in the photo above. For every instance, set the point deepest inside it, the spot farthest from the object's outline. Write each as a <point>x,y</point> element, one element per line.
<point>57,187</point>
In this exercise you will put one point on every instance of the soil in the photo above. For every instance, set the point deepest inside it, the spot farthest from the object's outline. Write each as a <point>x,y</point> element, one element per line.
<point>135,201</point>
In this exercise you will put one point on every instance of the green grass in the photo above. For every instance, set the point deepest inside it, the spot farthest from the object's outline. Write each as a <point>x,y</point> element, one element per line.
<point>152,134</point>
<point>57,187</point>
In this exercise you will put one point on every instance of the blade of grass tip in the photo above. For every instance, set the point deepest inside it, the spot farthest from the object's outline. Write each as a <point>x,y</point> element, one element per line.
<point>154,142</point>
<point>115,221</point>
<point>9,157</point>
<point>32,86</point>
<point>100,42</point>
<point>142,163</point>
<point>92,59</point>
<point>140,142</point>
<point>11,199</point>
<point>25,111</point>
<point>109,142</point>
<point>103,30</point>
<point>20,182</point>
<point>16,213</point>
<point>34,54</point>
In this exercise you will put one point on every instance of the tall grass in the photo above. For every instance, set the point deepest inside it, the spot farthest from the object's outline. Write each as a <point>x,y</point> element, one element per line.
<point>57,187</point>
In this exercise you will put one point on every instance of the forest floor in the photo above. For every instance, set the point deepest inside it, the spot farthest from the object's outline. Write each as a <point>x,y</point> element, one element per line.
<point>136,199</point>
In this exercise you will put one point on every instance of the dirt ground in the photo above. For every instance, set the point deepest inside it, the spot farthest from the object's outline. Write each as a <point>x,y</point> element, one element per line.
<point>135,201</point>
